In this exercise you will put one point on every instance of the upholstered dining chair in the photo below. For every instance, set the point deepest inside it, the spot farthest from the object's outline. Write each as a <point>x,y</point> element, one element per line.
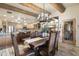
<point>57,38</point>
<point>20,50</point>
<point>51,45</point>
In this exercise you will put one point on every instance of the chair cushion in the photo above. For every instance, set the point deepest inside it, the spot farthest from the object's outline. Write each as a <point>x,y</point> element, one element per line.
<point>23,48</point>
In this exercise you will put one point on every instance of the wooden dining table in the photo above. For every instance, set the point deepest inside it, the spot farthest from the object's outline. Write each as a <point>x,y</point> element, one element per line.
<point>35,43</point>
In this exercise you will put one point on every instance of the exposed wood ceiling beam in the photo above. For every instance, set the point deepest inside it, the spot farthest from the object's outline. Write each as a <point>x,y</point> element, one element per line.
<point>58,6</point>
<point>9,7</point>
<point>34,7</point>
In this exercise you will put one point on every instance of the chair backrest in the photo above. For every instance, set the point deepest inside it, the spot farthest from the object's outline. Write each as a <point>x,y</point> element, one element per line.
<point>33,35</point>
<point>15,45</point>
<point>52,41</point>
<point>56,39</point>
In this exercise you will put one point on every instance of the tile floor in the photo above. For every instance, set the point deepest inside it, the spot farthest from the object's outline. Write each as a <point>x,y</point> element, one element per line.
<point>67,50</point>
<point>64,49</point>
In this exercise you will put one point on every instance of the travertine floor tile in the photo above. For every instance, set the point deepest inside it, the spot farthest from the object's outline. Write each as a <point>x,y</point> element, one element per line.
<point>67,50</point>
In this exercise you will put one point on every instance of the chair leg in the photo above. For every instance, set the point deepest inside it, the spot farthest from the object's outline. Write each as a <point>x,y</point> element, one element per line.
<point>37,51</point>
<point>53,53</point>
<point>57,48</point>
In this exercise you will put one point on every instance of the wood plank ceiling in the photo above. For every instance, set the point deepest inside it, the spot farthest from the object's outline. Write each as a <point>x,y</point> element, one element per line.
<point>9,7</point>
<point>57,6</point>
<point>35,8</point>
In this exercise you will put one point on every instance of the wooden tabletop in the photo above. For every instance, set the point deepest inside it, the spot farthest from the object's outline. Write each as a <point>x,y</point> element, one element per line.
<point>36,41</point>
<point>32,40</point>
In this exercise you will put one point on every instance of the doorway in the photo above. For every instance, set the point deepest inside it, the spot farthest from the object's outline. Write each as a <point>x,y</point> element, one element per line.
<point>69,32</point>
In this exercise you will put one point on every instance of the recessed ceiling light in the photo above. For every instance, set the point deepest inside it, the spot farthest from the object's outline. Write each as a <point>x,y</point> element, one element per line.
<point>18,18</point>
<point>4,15</point>
<point>12,16</point>
<point>25,23</point>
